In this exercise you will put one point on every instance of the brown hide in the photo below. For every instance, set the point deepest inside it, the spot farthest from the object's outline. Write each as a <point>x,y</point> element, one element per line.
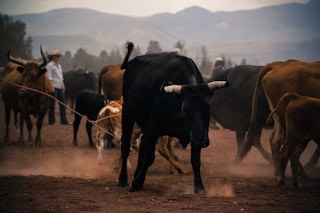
<point>110,81</point>
<point>299,118</point>
<point>109,122</point>
<point>10,66</point>
<point>30,78</point>
<point>279,78</point>
<point>28,74</point>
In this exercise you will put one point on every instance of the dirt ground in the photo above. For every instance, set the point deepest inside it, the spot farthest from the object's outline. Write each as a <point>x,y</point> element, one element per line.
<point>58,177</point>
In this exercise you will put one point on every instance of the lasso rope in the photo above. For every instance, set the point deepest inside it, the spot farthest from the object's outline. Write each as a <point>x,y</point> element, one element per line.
<point>94,123</point>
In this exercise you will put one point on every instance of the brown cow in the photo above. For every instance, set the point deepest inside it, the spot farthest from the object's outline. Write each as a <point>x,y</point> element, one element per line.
<point>109,122</point>
<point>299,117</point>
<point>110,81</point>
<point>28,74</point>
<point>276,79</point>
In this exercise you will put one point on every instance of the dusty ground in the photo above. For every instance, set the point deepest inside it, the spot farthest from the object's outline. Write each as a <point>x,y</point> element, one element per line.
<point>60,178</point>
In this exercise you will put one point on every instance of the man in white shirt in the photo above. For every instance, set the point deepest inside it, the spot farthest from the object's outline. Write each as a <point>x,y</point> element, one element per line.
<point>54,72</point>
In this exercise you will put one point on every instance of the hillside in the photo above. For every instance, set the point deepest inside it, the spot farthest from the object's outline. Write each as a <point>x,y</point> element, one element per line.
<point>269,33</point>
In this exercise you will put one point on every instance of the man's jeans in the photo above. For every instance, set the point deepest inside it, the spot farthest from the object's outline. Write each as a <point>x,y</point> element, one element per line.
<point>59,94</point>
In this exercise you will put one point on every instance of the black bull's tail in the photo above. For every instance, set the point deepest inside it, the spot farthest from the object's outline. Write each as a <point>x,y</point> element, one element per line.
<point>125,61</point>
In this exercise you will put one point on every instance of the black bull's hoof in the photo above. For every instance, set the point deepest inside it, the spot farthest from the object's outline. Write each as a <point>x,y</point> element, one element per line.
<point>123,183</point>
<point>135,187</point>
<point>200,191</point>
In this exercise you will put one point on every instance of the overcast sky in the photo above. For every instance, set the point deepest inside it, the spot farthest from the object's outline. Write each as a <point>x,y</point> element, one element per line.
<point>133,7</point>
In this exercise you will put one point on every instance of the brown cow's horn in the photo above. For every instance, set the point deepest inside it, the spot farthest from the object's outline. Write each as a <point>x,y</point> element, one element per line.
<point>16,60</point>
<point>44,58</point>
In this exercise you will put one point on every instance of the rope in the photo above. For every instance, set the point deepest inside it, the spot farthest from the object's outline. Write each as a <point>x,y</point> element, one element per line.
<point>94,123</point>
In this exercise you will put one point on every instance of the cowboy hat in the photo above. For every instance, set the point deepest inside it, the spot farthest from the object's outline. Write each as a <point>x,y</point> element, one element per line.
<point>54,53</point>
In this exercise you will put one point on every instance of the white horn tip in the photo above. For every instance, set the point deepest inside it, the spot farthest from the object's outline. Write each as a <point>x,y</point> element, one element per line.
<point>217,84</point>
<point>173,89</point>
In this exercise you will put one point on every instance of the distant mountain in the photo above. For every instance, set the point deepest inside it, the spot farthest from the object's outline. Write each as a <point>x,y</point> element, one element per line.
<point>261,35</point>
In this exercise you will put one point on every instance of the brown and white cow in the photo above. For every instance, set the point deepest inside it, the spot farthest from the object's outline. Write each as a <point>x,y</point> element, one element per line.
<point>276,79</point>
<point>109,122</point>
<point>22,75</point>
<point>299,117</point>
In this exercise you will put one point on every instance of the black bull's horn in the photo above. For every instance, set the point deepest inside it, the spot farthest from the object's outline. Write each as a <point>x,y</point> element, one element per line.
<point>212,85</point>
<point>23,62</point>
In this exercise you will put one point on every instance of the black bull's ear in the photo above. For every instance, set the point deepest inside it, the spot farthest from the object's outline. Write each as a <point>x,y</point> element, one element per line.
<point>165,83</point>
<point>227,80</point>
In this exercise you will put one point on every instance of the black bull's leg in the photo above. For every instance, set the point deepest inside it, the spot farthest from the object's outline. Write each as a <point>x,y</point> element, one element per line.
<point>196,164</point>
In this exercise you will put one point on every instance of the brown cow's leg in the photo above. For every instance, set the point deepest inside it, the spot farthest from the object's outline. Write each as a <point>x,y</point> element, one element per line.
<point>37,140</point>
<point>16,121</point>
<point>294,145</point>
<point>284,158</point>
<point>29,127</point>
<point>7,120</point>
<point>296,167</point>
<point>314,159</point>
<point>275,143</point>
<point>21,122</point>
<point>171,147</point>
<point>166,150</point>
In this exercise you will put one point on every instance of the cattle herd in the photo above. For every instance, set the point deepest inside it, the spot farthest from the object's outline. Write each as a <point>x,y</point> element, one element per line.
<point>159,100</point>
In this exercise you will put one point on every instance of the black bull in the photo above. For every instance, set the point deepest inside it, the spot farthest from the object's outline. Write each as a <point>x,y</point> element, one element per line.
<point>77,81</point>
<point>181,110</point>
<point>232,106</point>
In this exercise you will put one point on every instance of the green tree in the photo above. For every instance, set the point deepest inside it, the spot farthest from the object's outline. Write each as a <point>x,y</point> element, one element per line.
<point>180,45</point>
<point>244,61</point>
<point>103,54</point>
<point>205,65</point>
<point>67,61</point>
<point>13,38</point>
<point>81,58</point>
<point>115,57</point>
<point>67,54</point>
<point>136,51</point>
<point>154,47</point>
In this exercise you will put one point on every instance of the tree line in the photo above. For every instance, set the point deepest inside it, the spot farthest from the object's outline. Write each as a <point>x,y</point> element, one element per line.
<point>13,37</point>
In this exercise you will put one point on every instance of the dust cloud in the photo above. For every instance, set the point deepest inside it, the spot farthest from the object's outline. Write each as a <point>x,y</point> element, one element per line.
<point>221,190</point>
<point>57,162</point>
<point>216,190</point>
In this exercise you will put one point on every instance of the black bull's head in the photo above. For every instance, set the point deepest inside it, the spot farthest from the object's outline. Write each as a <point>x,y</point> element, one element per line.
<point>196,109</point>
